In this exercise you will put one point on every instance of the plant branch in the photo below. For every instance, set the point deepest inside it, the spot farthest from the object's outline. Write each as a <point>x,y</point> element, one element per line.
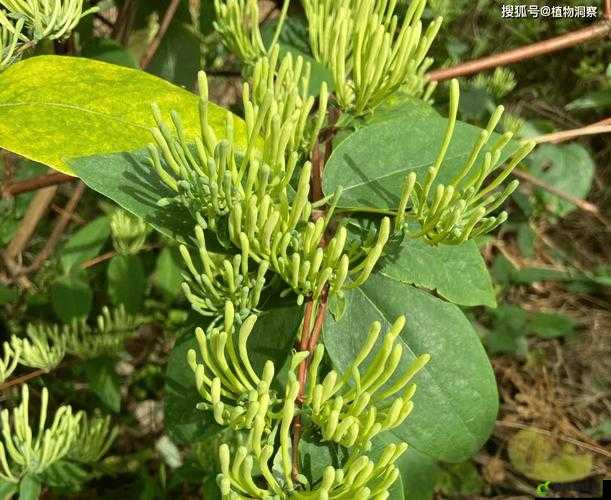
<point>22,379</point>
<point>34,183</point>
<point>165,24</point>
<point>58,229</point>
<point>35,211</point>
<point>563,41</point>
<point>584,205</point>
<point>567,135</point>
<point>310,336</point>
<point>607,11</point>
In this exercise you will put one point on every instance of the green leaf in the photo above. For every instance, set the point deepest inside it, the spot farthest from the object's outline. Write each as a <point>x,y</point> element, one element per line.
<point>316,455</point>
<point>71,298</point>
<point>551,325</point>
<point>56,108</point>
<point>372,163</point>
<point>462,480</point>
<point>168,273</point>
<point>126,282</point>
<point>271,338</point>
<point>419,473</point>
<point>104,382</point>
<point>184,422</point>
<point>7,490</point>
<point>85,244</point>
<point>508,333</point>
<point>178,57</point>
<point>457,386</point>
<point>566,167</point>
<point>7,294</point>
<point>128,180</point>
<point>540,458</point>
<point>401,106</point>
<point>110,51</point>
<point>598,100</point>
<point>30,487</point>
<point>457,273</point>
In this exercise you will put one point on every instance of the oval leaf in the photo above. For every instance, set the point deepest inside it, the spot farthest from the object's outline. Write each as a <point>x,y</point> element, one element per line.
<point>457,387</point>
<point>53,108</point>
<point>372,163</point>
<point>541,458</point>
<point>457,273</point>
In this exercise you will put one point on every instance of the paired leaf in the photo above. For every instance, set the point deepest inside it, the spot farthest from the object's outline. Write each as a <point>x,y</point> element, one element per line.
<point>55,108</point>
<point>457,387</point>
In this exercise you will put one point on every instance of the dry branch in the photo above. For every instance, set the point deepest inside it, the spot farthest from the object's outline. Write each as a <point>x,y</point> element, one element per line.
<point>16,188</point>
<point>598,30</point>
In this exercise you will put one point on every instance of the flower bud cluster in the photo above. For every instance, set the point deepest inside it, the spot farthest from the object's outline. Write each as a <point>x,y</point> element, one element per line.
<point>70,435</point>
<point>247,196</point>
<point>44,19</point>
<point>213,281</point>
<point>45,346</point>
<point>370,58</point>
<point>237,396</point>
<point>349,410</point>
<point>454,212</point>
<point>128,232</point>
<point>353,408</point>
<point>237,21</point>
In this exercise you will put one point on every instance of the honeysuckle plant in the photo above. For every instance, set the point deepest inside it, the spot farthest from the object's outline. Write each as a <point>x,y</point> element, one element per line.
<point>314,220</point>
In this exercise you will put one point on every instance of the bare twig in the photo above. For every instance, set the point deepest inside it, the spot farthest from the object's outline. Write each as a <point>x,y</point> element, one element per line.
<point>125,19</point>
<point>564,41</point>
<point>22,379</point>
<point>35,211</point>
<point>580,203</point>
<point>103,20</point>
<point>165,24</point>
<point>567,135</point>
<point>98,260</point>
<point>109,255</point>
<point>58,229</point>
<point>16,188</point>
<point>607,11</point>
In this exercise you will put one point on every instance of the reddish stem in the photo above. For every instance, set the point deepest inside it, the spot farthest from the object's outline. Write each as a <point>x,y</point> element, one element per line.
<point>15,188</point>
<point>564,41</point>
